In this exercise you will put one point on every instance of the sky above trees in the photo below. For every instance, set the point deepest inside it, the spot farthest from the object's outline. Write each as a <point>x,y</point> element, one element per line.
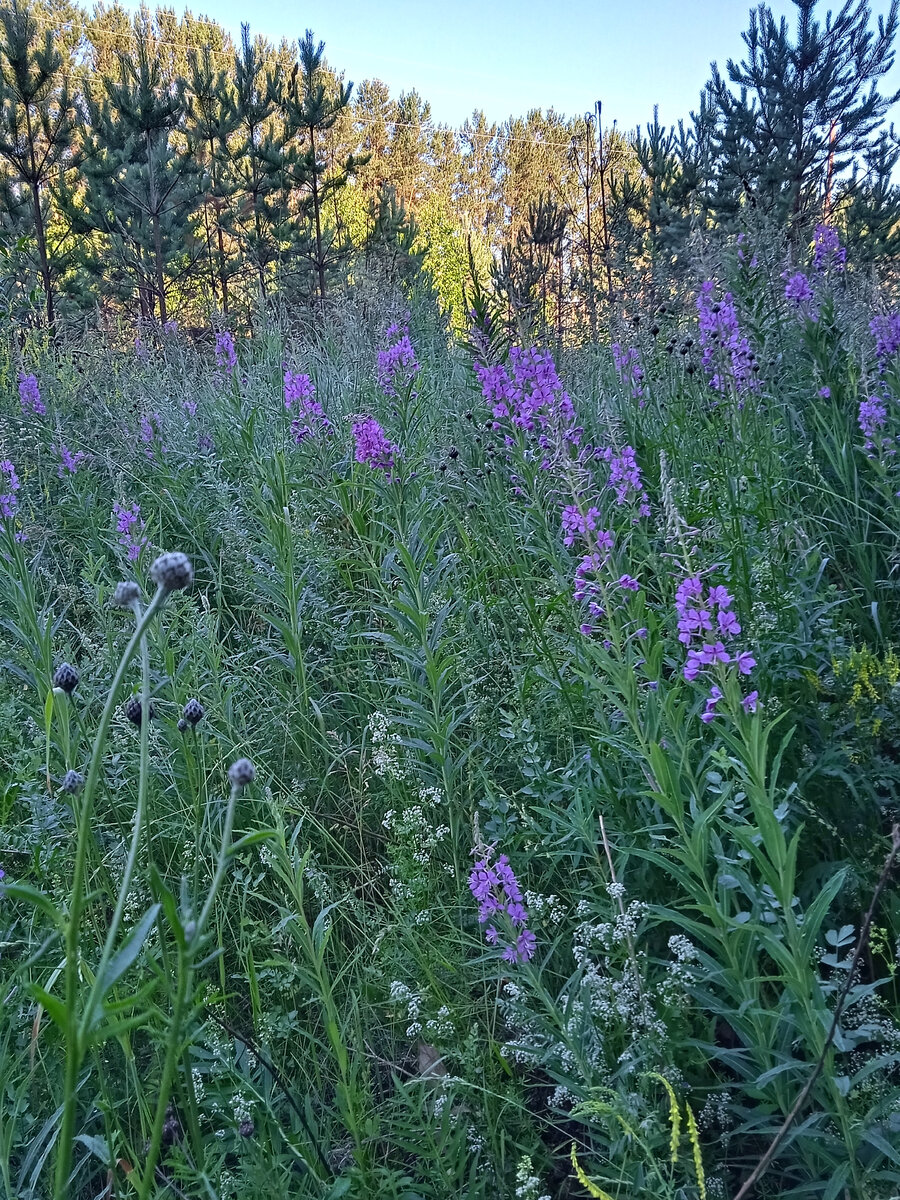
<point>512,55</point>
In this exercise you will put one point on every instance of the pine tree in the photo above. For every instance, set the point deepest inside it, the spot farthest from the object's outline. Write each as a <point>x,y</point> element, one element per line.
<point>807,105</point>
<point>211,123</point>
<point>256,155</point>
<point>311,109</point>
<point>872,216</point>
<point>36,124</point>
<point>140,189</point>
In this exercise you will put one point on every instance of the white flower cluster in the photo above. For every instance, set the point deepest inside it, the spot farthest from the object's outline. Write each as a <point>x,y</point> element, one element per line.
<point>549,909</point>
<point>527,1183</point>
<point>434,1029</point>
<point>240,1108</point>
<point>387,761</point>
<point>413,827</point>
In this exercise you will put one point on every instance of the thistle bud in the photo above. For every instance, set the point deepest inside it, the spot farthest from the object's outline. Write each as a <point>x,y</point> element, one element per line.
<point>242,772</point>
<point>134,710</point>
<point>193,712</point>
<point>182,725</point>
<point>66,678</point>
<point>72,783</point>
<point>126,593</point>
<point>172,571</point>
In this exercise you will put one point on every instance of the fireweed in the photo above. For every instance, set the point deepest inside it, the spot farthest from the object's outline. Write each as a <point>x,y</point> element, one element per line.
<point>885,329</point>
<point>531,404</point>
<point>872,419</point>
<point>9,483</point>
<point>629,370</point>
<point>226,358</point>
<point>827,249</point>
<point>300,400</point>
<point>130,527</point>
<point>705,616</point>
<point>397,363</point>
<point>495,887</point>
<point>727,356</point>
<point>373,447</point>
<point>30,395</point>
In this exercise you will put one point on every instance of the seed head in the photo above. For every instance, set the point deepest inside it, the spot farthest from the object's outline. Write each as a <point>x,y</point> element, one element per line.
<point>172,571</point>
<point>72,783</point>
<point>134,710</point>
<point>126,593</point>
<point>182,725</point>
<point>193,712</point>
<point>66,678</point>
<point>241,772</point>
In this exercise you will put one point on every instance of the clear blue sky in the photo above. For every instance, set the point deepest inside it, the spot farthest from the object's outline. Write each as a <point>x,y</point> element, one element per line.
<point>506,57</point>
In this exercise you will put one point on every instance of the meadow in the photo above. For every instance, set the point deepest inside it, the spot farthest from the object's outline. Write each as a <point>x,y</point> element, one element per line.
<point>437,767</point>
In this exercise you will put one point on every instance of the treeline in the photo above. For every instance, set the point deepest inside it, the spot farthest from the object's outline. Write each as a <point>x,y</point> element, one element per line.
<point>151,167</point>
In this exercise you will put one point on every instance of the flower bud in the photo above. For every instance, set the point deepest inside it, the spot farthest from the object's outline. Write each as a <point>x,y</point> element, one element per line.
<point>66,678</point>
<point>72,783</point>
<point>134,711</point>
<point>126,593</point>
<point>241,772</point>
<point>172,571</point>
<point>193,712</point>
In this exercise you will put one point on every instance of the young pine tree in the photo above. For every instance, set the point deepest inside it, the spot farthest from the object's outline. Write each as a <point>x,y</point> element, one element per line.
<point>37,119</point>
<point>311,109</point>
<point>140,186</point>
<point>807,105</point>
<point>212,121</point>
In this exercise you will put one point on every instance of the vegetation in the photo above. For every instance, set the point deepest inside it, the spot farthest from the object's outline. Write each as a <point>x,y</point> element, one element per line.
<point>449,670</point>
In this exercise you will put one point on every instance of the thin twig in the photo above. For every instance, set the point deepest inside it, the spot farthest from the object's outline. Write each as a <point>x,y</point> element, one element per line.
<point>763,1165</point>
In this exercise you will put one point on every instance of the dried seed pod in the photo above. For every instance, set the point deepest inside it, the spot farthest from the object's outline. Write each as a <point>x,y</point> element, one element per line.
<point>134,711</point>
<point>72,783</point>
<point>193,712</point>
<point>126,593</point>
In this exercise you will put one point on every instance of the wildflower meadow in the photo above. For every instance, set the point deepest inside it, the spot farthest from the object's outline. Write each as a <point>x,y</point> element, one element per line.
<point>449,731</point>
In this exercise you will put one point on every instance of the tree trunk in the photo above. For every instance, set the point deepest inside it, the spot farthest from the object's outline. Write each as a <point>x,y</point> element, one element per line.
<point>320,261</point>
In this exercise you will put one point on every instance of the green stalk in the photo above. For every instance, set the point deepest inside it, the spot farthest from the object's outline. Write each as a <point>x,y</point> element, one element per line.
<point>74,1046</point>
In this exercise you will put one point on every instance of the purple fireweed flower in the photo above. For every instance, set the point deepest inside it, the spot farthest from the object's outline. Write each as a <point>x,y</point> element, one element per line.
<point>885,329</point>
<point>373,447</point>
<point>190,407</point>
<point>827,249</point>
<point>709,713</point>
<point>171,326</point>
<point>397,363</point>
<point>629,369</point>
<point>872,418</point>
<point>226,358</point>
<point>749,703</point>
<point>532,400</point>
<point>130,528</point>
<point>578,524</point>
<point>9,485</point>
<point>625,479</point>
<point>495,887</point>
<point>722,341</point>
<point>628,583</point>
<point>30,395</point>
<point>299,397</point>
<point>825,393</point>
<point>797,291</point>
<point>140,349</point>
<point>700,611</point>
<point>69,462</point>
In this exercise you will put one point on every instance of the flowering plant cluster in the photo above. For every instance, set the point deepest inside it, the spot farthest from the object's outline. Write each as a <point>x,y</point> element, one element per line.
<point>872,419</point>
<point>130,528</point>
<point>532,399</point>
<point>726,352</point>
<point>885,329</point>
<point>827,249</point>
<point>300,400</point>
<point>30,395</point>
<point>705,615</point>
<point>397,363</point>
<point>69,462</point>
<point>629,369</point>
<point>625,479</point>
<point>9,483</point>
<point>798,291</point>
<point>373,447</point>
<point>495,887</point>
<point>226,357</point>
